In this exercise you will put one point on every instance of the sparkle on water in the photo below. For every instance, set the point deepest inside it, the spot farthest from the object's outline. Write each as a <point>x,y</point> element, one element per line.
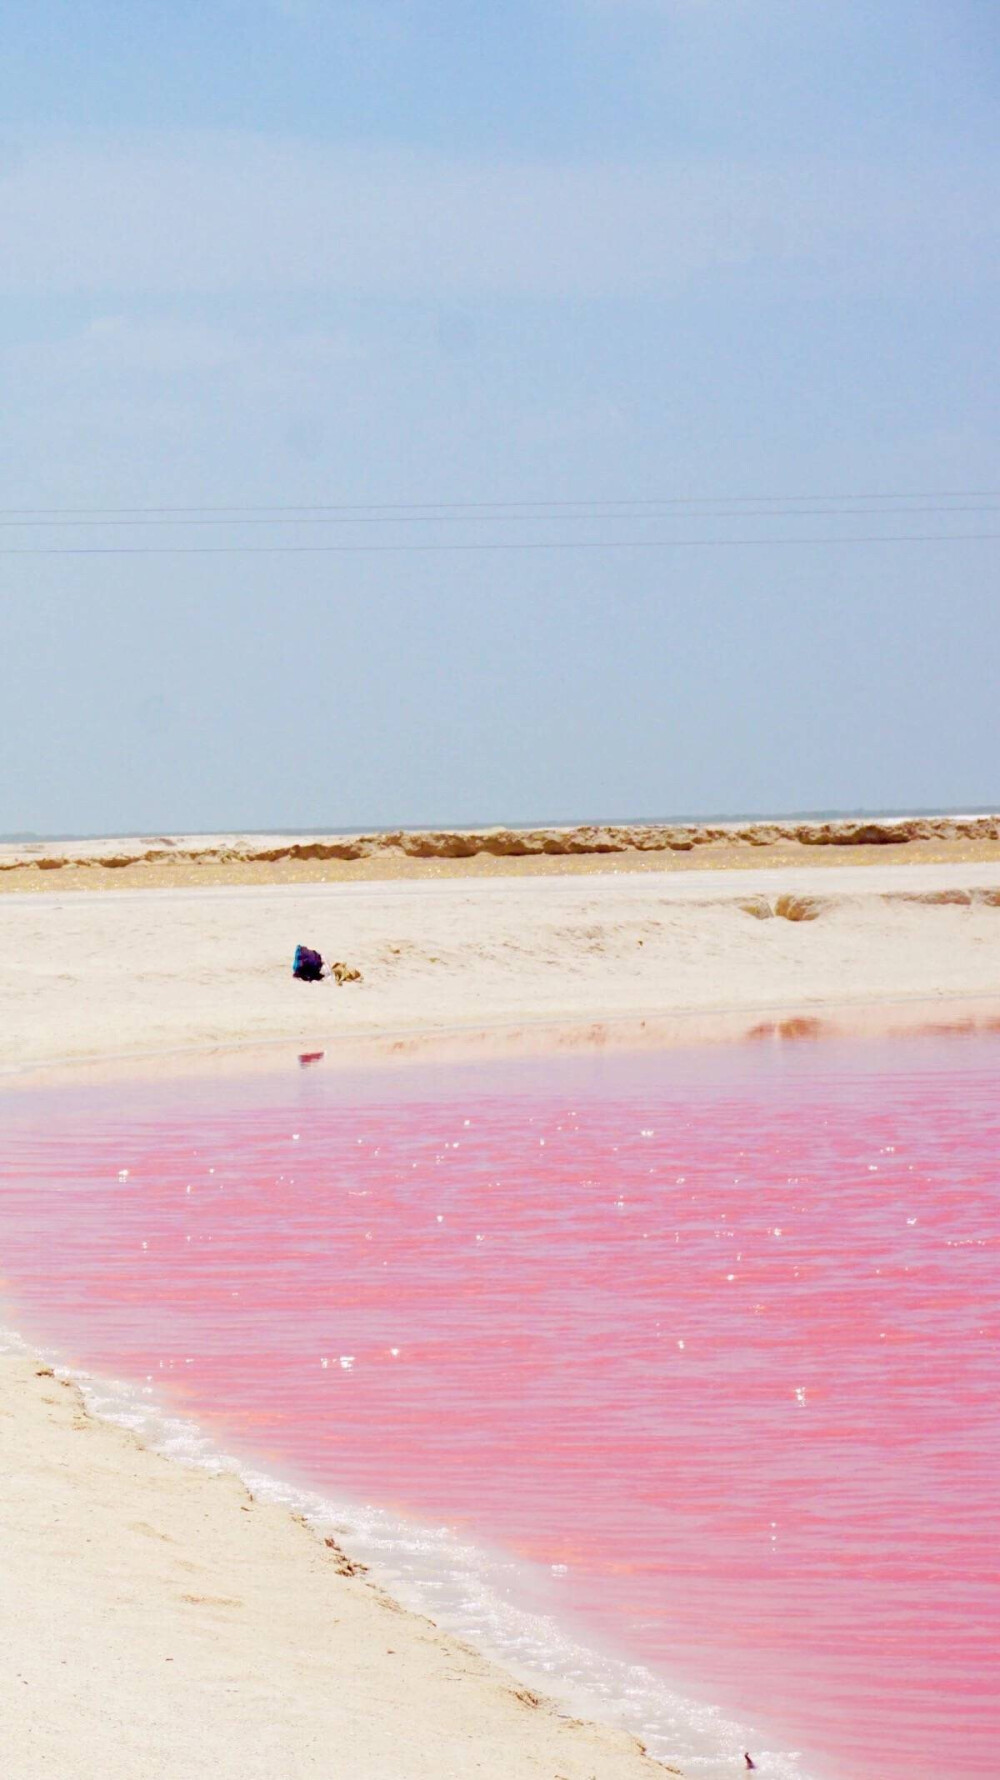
<point>705,1340</point>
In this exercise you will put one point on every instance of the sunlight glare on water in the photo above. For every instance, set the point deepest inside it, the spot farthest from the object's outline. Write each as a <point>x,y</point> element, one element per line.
<point>707,1339</point>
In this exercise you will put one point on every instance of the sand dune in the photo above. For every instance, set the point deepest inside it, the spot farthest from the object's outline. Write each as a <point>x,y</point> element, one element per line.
<point>640,843</point>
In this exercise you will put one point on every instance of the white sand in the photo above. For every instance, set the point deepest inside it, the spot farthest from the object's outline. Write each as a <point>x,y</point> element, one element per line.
<point>123,972</point>
<point>153,1621</point>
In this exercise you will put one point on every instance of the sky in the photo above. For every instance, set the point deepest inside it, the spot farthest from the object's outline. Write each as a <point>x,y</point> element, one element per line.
<point>425,413</point>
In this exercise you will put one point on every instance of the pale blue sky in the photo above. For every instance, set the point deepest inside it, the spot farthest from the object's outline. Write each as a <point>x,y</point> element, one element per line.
<point>295,253</point>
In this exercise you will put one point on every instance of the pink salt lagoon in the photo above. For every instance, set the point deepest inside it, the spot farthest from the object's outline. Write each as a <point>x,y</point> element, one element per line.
<point>673,1375</point>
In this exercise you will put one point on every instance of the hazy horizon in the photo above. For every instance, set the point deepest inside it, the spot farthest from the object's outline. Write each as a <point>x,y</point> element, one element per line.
<point>684,818</point>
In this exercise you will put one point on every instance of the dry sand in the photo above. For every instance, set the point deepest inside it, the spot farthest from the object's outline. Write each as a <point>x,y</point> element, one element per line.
<point>155,1621</point>
<point>85,975</point>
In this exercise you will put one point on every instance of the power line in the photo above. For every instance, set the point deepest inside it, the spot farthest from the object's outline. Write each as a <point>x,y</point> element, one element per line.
<point>386,507</point>
<point>493,518</point>
<point>544,544</point>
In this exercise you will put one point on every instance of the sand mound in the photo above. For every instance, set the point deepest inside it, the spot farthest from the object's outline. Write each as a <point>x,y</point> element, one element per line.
<point>587,841</point>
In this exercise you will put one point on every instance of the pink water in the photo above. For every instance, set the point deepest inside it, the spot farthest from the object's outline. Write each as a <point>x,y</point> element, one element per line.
<point>710,1338</point>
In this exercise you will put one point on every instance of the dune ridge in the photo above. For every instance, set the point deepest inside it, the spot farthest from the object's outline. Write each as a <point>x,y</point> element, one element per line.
<point>600,839</point>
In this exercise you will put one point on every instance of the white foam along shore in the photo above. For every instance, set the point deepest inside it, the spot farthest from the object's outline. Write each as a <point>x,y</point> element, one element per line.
<point>161,1621</point>
<point>156,1620</point>
<point>477,1600</point>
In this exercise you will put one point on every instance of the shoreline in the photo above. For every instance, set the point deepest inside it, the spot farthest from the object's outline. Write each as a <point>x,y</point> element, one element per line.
<point>452,970</point>
<point>436,1580</point>
<point>287,1656</point>
<point>680,1029</point>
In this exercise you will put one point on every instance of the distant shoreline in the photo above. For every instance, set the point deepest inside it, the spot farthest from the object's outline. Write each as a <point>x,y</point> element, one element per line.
<point>684,819</point>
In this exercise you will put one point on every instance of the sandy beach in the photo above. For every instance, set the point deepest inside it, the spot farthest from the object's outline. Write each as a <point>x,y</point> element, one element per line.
<point>159,1617</point>
<point>144,956</point>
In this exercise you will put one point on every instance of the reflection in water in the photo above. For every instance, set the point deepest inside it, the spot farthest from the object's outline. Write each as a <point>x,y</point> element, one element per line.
<point>711,1337</point>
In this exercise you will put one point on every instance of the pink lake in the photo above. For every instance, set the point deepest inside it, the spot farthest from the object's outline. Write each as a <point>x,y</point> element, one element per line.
<point>696,1350</point>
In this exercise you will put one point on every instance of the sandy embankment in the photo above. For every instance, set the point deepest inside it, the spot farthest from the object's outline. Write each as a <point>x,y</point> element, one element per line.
<point>642,954</point>
<point>183,861</point>
<point>154,1620</point>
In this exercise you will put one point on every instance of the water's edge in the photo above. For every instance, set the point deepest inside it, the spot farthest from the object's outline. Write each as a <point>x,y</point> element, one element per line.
<point>478,1595</point>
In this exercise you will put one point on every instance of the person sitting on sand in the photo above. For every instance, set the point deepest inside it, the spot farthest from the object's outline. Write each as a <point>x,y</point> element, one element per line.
<point>308,966</point>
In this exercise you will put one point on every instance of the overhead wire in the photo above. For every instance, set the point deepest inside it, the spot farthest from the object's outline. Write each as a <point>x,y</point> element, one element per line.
<point>490,545</point>
<point>587,513</point>
<point>577,507</point>
<point>502,518</point>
